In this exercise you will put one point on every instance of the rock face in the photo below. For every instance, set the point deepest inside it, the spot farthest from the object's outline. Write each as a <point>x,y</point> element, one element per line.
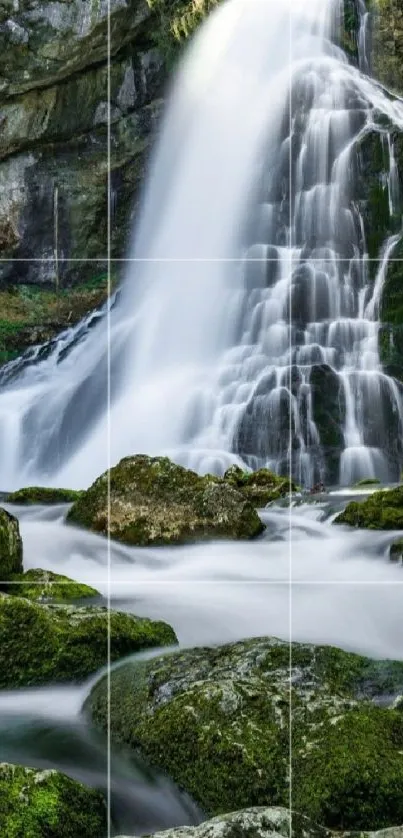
<point>381,511</point>
<point>387,48</point>
<point>154,501</point>
<point>53,643</point>
<point>217,722</point>
<point>53,117</point>
<point>10,546</point>
<point>54,112</point>
<point>47,804</point>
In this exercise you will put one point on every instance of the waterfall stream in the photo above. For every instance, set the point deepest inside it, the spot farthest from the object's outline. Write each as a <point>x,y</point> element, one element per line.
<point>247,325</point>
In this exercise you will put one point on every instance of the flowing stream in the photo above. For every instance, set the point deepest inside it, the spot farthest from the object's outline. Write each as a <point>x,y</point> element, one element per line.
<point>250,292</point>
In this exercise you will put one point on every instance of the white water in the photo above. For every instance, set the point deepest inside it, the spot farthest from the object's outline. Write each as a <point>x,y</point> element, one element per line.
<point>253,274</point>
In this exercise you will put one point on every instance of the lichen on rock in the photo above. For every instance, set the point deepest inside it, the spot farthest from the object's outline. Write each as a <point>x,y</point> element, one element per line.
<point>155,501</point>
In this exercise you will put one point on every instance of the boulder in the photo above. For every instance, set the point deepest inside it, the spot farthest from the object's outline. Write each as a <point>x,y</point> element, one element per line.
<point>55,643</point>
<point>10,546</point>
<point>382,510</point>
<point>259,487</point>
<point>217,722</point>
<point>155,501</point>
<point>47,804</point>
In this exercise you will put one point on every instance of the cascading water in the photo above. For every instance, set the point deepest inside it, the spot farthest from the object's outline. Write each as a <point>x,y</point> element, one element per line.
<point>247,327</point>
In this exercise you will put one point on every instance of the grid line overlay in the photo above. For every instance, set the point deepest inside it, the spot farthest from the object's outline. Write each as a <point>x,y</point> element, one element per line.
<point>289,580</point>
<point>290,602</point>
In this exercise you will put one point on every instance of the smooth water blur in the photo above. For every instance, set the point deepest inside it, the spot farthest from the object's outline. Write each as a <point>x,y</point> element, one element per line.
<point>251,275</point>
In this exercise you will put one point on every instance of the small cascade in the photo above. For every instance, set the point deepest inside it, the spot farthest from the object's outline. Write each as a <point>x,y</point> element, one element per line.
<point>247,329</point>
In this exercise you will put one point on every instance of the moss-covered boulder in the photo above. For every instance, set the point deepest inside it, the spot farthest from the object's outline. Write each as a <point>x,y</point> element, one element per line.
<point>155,501</point>
<point>10,546</point>
<point>43,495</point>
<point>53,643</point>
<point>256,822</point>
<point>259,487</point>
<point>39,585</point>
<point>47,804</point>
<point>217,722</point>
<point>382,510</point>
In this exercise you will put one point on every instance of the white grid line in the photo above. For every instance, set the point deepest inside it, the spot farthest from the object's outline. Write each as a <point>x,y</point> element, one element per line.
<point>355,583</point>
<point>290,602</point>
<point>190,260</point>
<point>109,456</point>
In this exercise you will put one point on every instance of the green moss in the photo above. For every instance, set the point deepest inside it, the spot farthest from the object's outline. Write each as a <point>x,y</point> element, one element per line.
<point>10,546</point>
<point>382,510</point>
<point>155,501</point>
<point>43,495</point>
<point>352,776</point>
<point>217,721</point>
<point>53,643</point>
<point>44,586</point>
<point>367,481</point>
<point>47,804</point>
<point>259,487</point>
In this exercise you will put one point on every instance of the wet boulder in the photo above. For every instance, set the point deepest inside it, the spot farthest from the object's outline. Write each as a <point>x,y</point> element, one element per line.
<point>10,546</point>
<point>155,501</point>
<point>54,643</point>
<point>216,720</point>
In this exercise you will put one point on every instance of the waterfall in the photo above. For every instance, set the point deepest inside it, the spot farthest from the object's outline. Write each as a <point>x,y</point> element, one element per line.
<point>247,325</point>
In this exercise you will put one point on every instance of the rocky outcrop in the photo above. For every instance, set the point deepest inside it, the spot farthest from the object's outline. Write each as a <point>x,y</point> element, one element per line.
<point>10,546</point>
<point>54,92</point>
<point>47,804</point>
<point>54,643</point>
<point>154,501</point>
<point>258,822</point>
<point>217,721</point>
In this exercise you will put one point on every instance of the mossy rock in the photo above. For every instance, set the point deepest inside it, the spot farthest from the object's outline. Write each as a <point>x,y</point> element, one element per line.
<point>367,481</point>
<point>47,804</point>
<point>380,511</point>
<point>44,586</point>
<point>10,546</point>
<point>43,495</point>
<point>259,487</point>
<point>155,501</point>
<point>55,643</point>
<point>256,822</point>
<point>217,722</point>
